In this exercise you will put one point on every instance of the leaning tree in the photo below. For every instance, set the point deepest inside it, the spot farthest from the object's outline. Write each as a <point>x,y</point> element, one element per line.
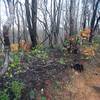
<point>6,28</point>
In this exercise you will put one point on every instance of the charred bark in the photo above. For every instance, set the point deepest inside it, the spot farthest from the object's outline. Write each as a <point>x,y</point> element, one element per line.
<point>32,22</point>
<point>93,21</point>
<point>71,18</point>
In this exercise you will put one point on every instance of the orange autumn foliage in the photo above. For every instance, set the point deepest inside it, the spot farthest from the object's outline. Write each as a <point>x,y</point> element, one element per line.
<point>85,33</point>
<point>22,43</point>
<point>72,38</point>
<point>88,52</point>
<point>14,47</point>
<point>26,46</point>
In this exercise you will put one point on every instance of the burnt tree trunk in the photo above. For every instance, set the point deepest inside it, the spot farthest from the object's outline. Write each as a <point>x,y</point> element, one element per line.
<point>93,21</point>
<point>6,27</point>
<point>54,22</point>
<point>71,18</point>
<point>85,8</point>
<point>58,18</point>
<point>32,22</point>
<point>6,36</point>
<point>98,19</point>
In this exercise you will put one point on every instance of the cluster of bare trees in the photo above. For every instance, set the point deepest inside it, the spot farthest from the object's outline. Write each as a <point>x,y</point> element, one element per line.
<point>52,15</point>
<point>51,19</point>
<point>91,15</point>
<point>74,14</point>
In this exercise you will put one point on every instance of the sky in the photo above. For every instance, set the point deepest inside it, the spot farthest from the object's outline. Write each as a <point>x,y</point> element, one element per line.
<point>3,17</point>
<point>3,14</point>
<point>2,10</point>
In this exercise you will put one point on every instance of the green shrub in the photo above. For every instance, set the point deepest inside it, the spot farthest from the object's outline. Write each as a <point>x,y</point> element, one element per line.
<point>16,60</point>
<point>17,87</point>
<point>96,39</point>
<point>61,61</point>
<point>4,95</point>
<point>40,52</point>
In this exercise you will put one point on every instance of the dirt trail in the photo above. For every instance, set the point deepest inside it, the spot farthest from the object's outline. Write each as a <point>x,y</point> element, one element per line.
<point>87,87</point>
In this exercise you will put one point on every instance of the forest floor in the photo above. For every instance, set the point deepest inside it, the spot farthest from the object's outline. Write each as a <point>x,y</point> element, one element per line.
<point>60,82</point>
<point>53,79</point>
